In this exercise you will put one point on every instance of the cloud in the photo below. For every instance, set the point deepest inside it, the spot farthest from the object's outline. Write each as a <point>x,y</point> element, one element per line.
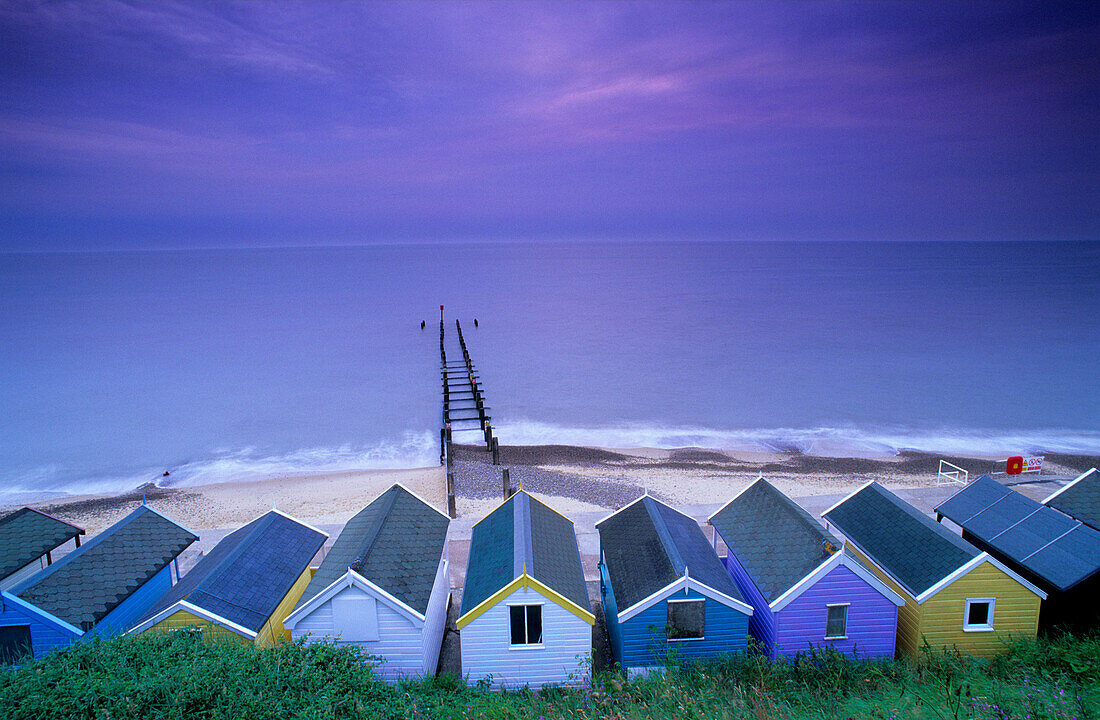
<point>706,115</point>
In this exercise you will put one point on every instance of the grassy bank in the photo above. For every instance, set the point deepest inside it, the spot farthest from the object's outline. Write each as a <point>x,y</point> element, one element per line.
<point>176,676</point>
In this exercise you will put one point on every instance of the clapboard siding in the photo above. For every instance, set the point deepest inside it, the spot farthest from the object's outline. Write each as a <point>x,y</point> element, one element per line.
<point>563,658</point>
<point>45,636</point>
<point>184,620</point>
<point>435,619</point>
<point>1015,613</point>
<point>611,615</point>
<point>872,618</point>
<point>398,647</point>
<point>645,642</point>
<point>127,613</point>
<point>908,640</point>
<point>762,623</point>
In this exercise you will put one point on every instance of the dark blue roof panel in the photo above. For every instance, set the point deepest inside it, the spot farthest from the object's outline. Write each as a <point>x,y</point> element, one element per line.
<point>1052,546</point>
<point>1010,509</point>
<point>980,494</point>
<point>245,576</point>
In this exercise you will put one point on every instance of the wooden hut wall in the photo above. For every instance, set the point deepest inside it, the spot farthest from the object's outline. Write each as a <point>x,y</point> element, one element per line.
<point>563,657</point>
<point>871,623</point>
<point>762,623</point>
<point>644,636</point>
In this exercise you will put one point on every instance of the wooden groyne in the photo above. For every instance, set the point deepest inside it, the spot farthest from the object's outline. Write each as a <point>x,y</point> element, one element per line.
<point>464,408</point>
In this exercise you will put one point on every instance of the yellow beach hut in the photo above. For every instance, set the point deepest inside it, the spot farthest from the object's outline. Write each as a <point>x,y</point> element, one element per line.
<point>955,595</point>
<point>245,587</point>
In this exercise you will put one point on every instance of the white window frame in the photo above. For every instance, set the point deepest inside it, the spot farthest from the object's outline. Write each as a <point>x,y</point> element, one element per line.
<point>837,637</point>
<point>702,601</point>
<point>542,616</point>
<point>988,626</point>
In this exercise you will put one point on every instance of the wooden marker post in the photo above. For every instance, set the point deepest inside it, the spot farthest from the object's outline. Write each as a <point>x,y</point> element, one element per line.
<point>496,451</point>
<point>507,481</point>
<point>451,495</point>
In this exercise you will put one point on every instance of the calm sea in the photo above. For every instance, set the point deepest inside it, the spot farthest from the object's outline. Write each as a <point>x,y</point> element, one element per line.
<point>237,364</point>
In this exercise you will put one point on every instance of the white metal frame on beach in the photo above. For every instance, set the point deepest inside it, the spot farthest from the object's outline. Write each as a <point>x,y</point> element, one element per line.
<point>955,476</point>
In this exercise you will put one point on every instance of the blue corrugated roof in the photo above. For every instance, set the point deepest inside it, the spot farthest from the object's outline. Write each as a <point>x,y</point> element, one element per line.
<point>1054,547</point>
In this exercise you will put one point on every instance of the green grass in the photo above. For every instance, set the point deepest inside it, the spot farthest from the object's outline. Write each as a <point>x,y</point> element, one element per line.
<point>177,676</point>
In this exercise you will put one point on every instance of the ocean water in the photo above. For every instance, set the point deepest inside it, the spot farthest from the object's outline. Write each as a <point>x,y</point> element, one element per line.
<point>240,364</point>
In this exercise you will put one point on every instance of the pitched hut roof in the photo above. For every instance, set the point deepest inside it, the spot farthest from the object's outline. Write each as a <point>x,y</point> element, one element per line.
<point>915,549</point>
<point>91,581</point>
<point>775,540</point>
<point>28,534</point>
<point>523,535</point>
<point>395,542</point>
<point>647,546</point>
<point>1080,499</point>
<point>246,575</point>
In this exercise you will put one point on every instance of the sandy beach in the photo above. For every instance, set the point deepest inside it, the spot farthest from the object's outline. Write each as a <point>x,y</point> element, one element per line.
<point>573,479</point>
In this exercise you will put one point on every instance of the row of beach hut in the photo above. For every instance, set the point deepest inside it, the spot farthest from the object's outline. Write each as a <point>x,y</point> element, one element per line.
<point>878,579</point>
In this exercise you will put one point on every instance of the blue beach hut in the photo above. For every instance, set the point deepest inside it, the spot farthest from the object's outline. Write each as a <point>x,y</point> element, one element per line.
<point>99,589</point>
<point>665,592</point>
<point>806,589</point>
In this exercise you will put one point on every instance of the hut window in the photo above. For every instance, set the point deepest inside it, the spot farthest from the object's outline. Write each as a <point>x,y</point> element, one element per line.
<point>836,622</point>
<point>526,624</point>
<point>979,615</point>
<point>685,619</point>
<point>15,644</point>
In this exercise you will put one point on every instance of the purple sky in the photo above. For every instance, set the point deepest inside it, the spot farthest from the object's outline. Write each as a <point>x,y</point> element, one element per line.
<point>163,124</point>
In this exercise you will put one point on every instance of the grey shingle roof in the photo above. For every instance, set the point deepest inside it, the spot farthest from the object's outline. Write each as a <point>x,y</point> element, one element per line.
<point>28,534</point>
<point>523,533</point>
<point>647,545</point>
<point>246,575</point>
<point>915,549</point>
<point>1054,547</point>
<point>91,581</point>
<point>395,542</point>
<point>775,540</point>
<point>1081,500</point>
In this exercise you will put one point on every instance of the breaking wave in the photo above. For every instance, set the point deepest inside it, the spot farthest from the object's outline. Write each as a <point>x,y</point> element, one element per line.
<point>821,441</point>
